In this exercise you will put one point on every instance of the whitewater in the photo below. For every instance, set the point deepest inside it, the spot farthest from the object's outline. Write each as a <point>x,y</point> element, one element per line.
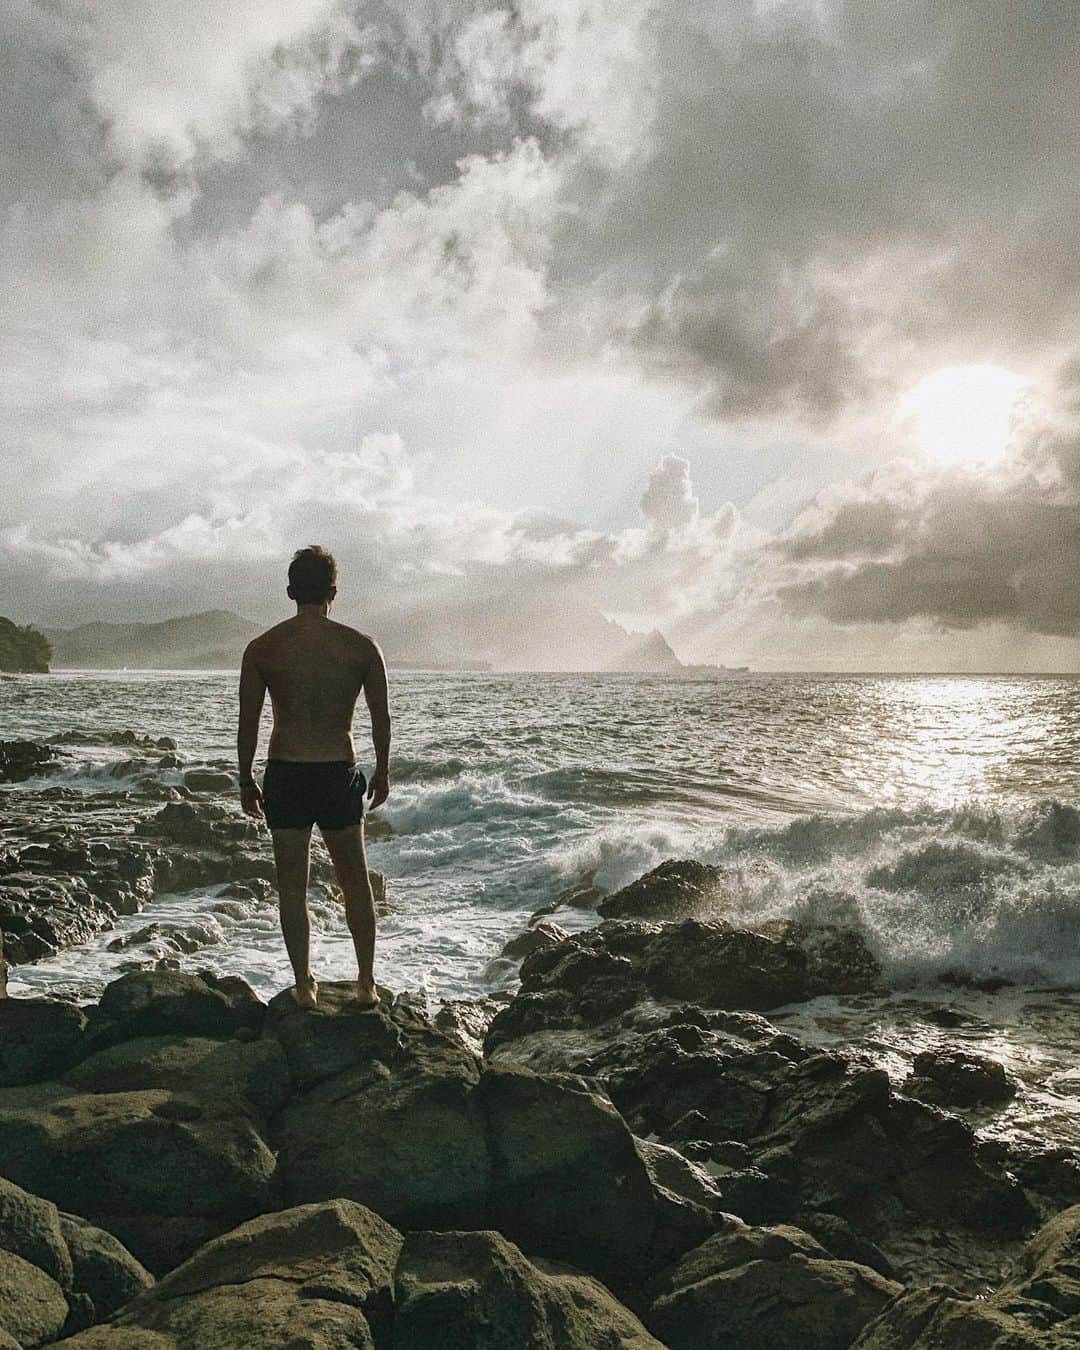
<point>937,814</point>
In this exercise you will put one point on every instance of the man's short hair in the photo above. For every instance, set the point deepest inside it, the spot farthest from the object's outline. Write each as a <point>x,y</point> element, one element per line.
<point>312,575</point>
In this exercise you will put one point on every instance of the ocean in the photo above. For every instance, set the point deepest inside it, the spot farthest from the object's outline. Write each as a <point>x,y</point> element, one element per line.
<point>938,814</point>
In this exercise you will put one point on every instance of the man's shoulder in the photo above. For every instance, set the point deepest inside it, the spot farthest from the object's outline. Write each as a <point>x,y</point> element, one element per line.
<point>266,639</point>
<point>362,641</point>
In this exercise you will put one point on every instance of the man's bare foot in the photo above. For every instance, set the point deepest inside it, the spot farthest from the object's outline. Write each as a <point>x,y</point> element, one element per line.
<point>305,993</point>
<point>367,994</point>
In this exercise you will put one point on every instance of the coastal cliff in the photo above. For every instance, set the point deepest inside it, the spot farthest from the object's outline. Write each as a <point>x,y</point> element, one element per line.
<point>23,650</point>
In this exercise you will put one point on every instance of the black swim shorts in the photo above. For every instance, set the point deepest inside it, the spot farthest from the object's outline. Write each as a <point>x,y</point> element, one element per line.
<point>298,794</point>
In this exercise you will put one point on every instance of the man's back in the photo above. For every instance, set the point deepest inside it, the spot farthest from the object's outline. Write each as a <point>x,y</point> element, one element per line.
<point>314,670</point>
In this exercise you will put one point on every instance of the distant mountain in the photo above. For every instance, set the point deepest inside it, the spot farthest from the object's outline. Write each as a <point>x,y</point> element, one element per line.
<point>23,650</point>
<point>213,640</point>
<point>649,653</point>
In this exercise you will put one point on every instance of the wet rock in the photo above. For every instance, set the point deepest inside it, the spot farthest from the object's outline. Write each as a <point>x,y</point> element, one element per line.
<point>821,1135</point>
<point>668,1168</point>
<point>20,760</point>
<point>958,1078</point>
<point>479,1291</point>
<point>681,889</point>
<point>320,1276</point>
<point>467,1020</point>
<point>39,1038</point>
<point>838,961</point>
<point>764,1289</point>
<point>718,966</point>
<point>118,738</point>
<point>205,824</point>
<point>534,939</point>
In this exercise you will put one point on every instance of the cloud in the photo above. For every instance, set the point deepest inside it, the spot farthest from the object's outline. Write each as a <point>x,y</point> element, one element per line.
<point>669,501</point>
<point>963,547</point>
<point>443,278</point>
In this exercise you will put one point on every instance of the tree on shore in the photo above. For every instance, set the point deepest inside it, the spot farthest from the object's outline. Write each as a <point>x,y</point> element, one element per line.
<point>23,650</point>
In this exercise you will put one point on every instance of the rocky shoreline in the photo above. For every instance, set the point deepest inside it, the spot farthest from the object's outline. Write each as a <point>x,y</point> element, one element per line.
<point>72,862</point>
<point>627,1149</point>
<point>618,1167</point>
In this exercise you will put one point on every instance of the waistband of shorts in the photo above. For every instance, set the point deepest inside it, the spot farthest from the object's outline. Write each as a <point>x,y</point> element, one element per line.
<point>315,763</point>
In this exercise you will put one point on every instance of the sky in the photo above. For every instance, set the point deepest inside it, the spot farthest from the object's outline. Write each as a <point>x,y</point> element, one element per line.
<point>755,322</point>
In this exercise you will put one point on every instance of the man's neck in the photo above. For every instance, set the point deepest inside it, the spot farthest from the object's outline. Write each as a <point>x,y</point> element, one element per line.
<point>313,611</point>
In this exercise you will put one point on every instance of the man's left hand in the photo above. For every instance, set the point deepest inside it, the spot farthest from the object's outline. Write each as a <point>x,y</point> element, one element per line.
<point>251,799</point>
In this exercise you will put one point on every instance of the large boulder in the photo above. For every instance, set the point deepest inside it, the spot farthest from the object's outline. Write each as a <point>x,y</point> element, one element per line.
<point>567,1180</point>
<point>39,1038</point>
<point>476,1291</point>
<point>104,1272</point>
<point>396,1126</point>
<point>148,1156</point>
<point>251,1077</point>
<point>339,1034</point>
<point>31,1228</point>
<point>317,1276</point>
<point>174,1002</point>
<point>765,1289</point>
<point>33,1308</point>
<point>20,760</point>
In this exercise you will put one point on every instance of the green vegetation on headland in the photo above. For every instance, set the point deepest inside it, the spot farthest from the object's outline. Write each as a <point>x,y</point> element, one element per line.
<point>23,650</point>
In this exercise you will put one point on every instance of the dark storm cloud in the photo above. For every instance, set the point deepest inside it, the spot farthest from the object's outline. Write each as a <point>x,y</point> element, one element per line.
<point>963,547</point>
<point>819,189</point>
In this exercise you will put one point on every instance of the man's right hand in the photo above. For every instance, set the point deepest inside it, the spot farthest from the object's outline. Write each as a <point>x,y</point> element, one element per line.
<point>379,789</point>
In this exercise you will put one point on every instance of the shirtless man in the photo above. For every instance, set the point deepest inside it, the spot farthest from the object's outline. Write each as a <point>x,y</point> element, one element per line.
<point>315,669</point>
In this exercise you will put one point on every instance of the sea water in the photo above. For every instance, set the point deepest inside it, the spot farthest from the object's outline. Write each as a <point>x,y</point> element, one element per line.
<point>938,814</point>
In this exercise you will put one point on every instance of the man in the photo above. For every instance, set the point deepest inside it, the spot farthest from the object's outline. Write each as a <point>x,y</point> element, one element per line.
<point>315,669</point>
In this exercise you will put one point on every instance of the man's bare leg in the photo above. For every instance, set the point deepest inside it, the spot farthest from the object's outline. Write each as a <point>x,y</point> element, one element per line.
<point>292,853</point>
<point>350,863</point>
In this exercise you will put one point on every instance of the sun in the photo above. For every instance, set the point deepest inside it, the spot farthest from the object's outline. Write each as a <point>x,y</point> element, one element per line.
<point>963,414</point>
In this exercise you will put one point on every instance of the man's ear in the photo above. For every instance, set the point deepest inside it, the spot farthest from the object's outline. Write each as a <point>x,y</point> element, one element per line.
<point>288,592</point>
<point>332,596</point>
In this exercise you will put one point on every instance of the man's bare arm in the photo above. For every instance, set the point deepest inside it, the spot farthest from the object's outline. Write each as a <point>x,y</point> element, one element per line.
<point>252,697</point>
<point>377,695</point>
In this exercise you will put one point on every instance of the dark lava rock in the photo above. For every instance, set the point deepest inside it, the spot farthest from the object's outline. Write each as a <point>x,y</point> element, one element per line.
<point>674,890</point>
<point>958,1078</point>
<point>1036,1305</point>
<point>173,1002</point>
<point>765,1289</point>
<point>317,1276</point>
<point>20,760</point>
<point>477,1290</point>
<point>719,966</point>
<point>205,824</point>
<point>39,1038</point>
<point>56,1271</point>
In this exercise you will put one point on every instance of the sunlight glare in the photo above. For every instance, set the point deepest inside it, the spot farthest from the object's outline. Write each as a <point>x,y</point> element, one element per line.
<point>963,414</point>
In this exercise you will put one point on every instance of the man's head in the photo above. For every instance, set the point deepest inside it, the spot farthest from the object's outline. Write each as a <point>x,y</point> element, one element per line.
<point>312,576</point>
